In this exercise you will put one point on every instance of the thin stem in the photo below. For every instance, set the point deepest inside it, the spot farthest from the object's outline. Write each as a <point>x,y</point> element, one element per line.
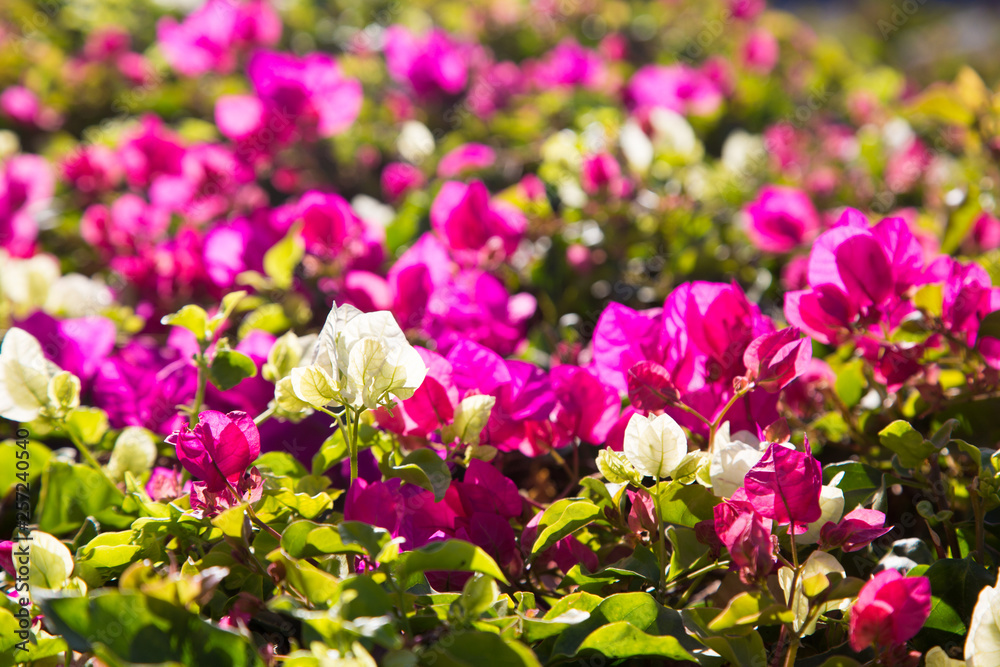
<point>264,416</point>
<point>718,420</point>
<point>253,515</point>
<point>693,412</point>
<point>354,445</point>
<point>91,461</point>
<point>661,548</point>
<point>793,649</point>
<point>979,516</point>
<point>199,396</point>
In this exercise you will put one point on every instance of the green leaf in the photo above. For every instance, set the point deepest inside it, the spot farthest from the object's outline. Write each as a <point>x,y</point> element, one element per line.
<point>858,481</point>
<point>229,303</point>
<point>305,539</point>
<point>72,493</point>
<point>140,629</point>
<point>623,640</point>
<point>88,425</point>
<point>909,445</point>
<point>333,450</point>
<point>563,518</point>
<point>190,317</point>
<point>749,609</point>
<point>686,505</point>
<point>955,587</point>
<point>423,468</point>
<point>229,368</point>
<point>282,258</point>
<point>447,556</point>
<point>474,648</point>
<point>851,382</point>
<point>38,456</point>
<point>371,538</point>
<point>687,551</point>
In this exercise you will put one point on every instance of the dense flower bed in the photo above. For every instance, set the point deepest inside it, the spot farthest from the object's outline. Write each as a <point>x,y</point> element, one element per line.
<point>491,333</point>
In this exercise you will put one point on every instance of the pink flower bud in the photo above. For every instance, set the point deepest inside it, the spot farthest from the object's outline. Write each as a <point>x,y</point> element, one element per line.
<point>889,611</point>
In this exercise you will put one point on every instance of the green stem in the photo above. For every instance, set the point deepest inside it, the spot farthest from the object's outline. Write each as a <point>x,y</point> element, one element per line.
<point>693,412</point>
<point>354,445</point>
<point>253,515</point>
<point>264,416</point>
<point>199,396</point>
<point>793,649</point>
<point>979,516</point>
<point>91,461</point>
<point>718,420</point>
<point>661,547</point>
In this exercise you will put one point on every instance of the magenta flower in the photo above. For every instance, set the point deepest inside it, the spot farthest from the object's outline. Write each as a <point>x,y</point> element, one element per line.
<point>92,169</point>
<point>585,408</point>
<point>569,64</point>
<point>219,449</point>
<point>760,51</point>
<point>467,219</point>
<point>20,104</point>
<point>746,534</point>
<point>210,37</point>
<point>650,387</point>
<point>785,486</point>
<point>889,611</point>
<point>467,157</point>
<point>150,150</point>
<point>781,219</point>
<point>431,64</point>
<point>775,359</point>
<point>677,88</point>
<point>855,530</point>
<point>399,178</point>
<point>26,185</point>
<point>7,558</point>
<point>164,484</point>
<point>602,173</point>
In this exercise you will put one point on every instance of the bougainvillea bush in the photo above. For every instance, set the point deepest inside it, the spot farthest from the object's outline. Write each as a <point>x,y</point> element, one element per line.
<point>492,333</point>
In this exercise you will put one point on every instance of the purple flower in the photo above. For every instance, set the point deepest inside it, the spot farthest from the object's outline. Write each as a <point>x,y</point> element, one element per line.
<point>26,185</point>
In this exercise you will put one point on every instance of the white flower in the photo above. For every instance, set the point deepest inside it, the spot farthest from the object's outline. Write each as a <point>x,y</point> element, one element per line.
<point>364,358</point>
<point>76,295</point>
<point>732,458</point>
<point>50,561</point>
<point>654,446</point>
<point>982,645</point>
<point>24,377</point>
<point>26,282</point>
<point>831,504</point>
<point>636,146</point>
<point>415,142</point>
<point>673,135</point>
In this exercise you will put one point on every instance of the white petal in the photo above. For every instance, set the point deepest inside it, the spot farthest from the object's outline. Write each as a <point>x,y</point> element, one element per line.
<point>24,376</point>
<point>654,446</point>
<point>982,645</point>
<point>831,504</point>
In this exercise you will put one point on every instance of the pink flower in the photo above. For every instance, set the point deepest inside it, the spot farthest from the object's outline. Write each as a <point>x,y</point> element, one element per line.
<point>677,88</point>
<point>398,178</point>
<point>746,9</point>
<point>747,537</point>
<point>569,64</point>
<point>467,157</point>
<point>26,185</point>
<point>986,232</point>
<point>467,219</point>
<point>20,104</point>
<point>431,64</point>
<point>585,408</point>
<point>164,484</point>
<point>785,486</point>
<point>775,359</point>
<point>149,151</point>
<point>310,91</point>
<point>7,558</point>
<point>92,169</point>
<point>760,52</point>
<point>889,611</point>
<point>601,172</point>
<point>219,449</point>
<point>855,530</point>
<point>208,39</point>
<point>781,219</point>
